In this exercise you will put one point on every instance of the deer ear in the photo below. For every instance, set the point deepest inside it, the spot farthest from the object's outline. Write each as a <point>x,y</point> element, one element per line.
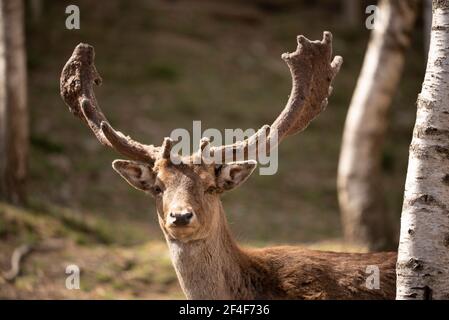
<point>138,174</point>
<point>229,176</point>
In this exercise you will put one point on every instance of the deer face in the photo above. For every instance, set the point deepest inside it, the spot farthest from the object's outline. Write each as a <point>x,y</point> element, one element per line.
<point>187,195</point>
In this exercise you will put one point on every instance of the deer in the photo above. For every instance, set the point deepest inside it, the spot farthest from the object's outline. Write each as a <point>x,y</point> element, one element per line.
<point>208,261</point>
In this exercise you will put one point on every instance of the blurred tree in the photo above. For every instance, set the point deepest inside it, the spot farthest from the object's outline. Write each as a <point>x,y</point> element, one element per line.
<point>351,12</point>
<point>36,9</point>
<point>364,214</point>
<point>13,104</point>
<point>423,261</point>
<point>427,24</point>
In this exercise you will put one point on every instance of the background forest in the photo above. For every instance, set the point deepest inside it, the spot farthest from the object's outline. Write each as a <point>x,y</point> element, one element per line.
<point>164,64</point>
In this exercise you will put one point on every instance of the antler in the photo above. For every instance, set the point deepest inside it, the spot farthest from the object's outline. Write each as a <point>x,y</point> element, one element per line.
<point>313,71</point>
<point>76,85</point>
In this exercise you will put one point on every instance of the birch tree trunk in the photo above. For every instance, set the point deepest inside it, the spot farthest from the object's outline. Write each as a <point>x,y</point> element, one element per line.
<point>365,217</point>
<point>13,110</point>
<point>423,261</point>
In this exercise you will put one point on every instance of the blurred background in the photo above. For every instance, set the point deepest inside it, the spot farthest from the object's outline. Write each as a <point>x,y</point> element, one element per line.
<point>164,64</point>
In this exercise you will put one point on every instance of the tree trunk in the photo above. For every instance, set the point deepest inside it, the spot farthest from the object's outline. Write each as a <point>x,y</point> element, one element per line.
<point>13,110</point>
<point>364,215</point>
<point>423,261</point>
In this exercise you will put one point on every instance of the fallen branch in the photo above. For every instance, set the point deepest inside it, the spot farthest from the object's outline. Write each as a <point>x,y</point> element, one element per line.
<point>22,251</point>
<point>17,256</point>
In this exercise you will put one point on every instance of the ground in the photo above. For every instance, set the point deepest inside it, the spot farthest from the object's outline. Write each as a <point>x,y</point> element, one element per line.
<point>165,64</point>
<point>111,267</point>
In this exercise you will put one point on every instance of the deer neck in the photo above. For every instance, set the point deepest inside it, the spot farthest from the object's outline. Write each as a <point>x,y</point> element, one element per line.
<point>210,268</point>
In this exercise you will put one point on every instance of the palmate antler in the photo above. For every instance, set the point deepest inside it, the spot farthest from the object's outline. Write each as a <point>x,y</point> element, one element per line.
<point>312,69</point>
<point>76,85</point>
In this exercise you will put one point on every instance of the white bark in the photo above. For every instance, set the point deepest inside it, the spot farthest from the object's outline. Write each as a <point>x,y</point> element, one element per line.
<point>364,215</point>
<point>423,261</point>
<point>13,105</point>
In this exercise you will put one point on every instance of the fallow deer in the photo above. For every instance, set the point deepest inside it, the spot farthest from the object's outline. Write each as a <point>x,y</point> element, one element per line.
<point>208,262</point>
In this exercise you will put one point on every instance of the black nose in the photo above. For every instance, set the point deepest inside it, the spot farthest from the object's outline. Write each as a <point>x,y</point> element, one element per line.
<point>181,219</point>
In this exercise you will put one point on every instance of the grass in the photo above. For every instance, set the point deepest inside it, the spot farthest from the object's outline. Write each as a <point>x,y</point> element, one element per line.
<point>108,270</point>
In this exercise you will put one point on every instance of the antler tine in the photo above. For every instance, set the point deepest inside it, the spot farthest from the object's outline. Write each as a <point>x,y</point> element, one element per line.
<point>203,153</point>
<point>313,71</point>
<point>204,142</point>
<point>166,148</point>
<point>76,85</point>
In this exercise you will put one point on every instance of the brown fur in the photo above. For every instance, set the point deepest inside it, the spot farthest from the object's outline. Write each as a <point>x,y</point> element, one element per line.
<point>210,265</point>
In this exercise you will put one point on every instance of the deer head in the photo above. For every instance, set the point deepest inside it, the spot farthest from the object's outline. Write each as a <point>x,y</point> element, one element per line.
<point>187,195</point>
<point>187,192</point>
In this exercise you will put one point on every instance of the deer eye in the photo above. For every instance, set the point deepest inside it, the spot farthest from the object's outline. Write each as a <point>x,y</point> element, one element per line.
<point>157,190</point>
